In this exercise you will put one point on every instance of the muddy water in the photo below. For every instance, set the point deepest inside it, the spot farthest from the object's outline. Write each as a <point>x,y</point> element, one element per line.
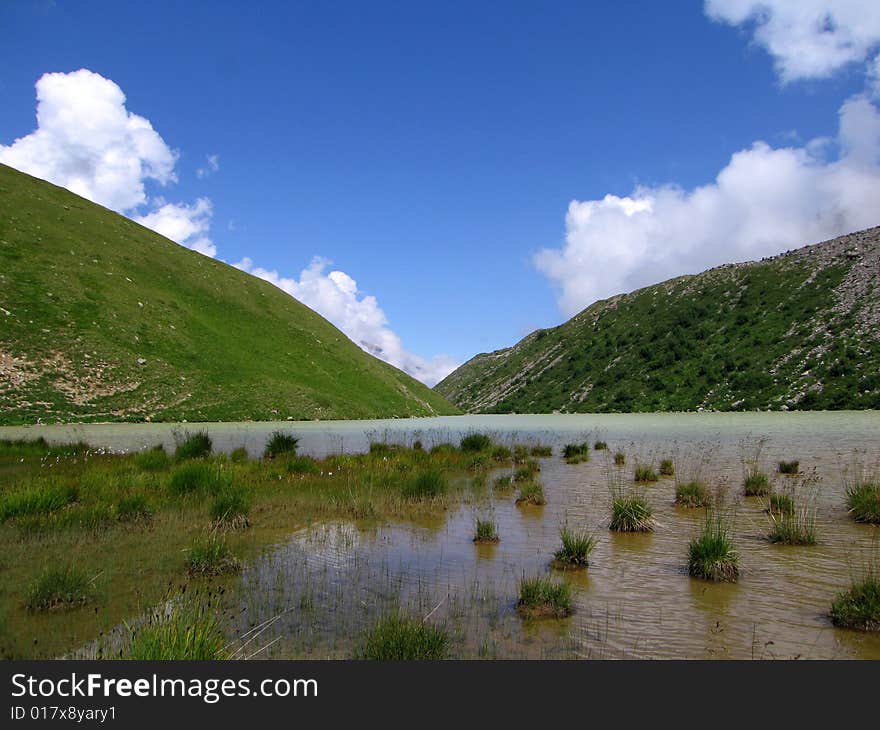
<point>326,583</point>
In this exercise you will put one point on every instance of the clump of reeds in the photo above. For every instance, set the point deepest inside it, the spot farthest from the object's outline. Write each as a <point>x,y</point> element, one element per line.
<point>576,549</point>
<point>859,607</point>
<point>863,501</point>
<point>475,442</point>
<point>711,555</point>
<point>692,494</point>
<point>527,471</point>
<point>397,638</point>
<point>193,446</point>
<point>501,453</point>
<point>153,459</point>
<point>667,468</point>
<point>540,597</point>
<point>619,458</point>
<point>780,504</point>
<point>426,484</point>
<point>184,633</point>
<point>486,531</point>
<point>211,556</point>
<point>789,467</point>
<point>59,588</point>
<point>520,453</point>
<point>794,527</point>
<point>197,478</point>
<point>631,512</point>
<point>531,493</point>
<point>600,446</point>
<point>280,443</point>
<point>230,508</point>
<point>542,451</point>
<point>645,473</point>
<point>756,483</point>
<point>576,453</point>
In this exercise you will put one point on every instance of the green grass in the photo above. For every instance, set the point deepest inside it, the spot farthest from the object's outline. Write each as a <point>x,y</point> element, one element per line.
<point>134,508</point>
<point>720,340</point>
<point>541,451</point>
<point>239,455</point>
<point>576,549</point>
<point>631,512</point>
<point>211,555</point>
<point>36,500</point>
<point>198,477</point>
<point>193,446</point>
<point>756,484</point>
<point>501,453</point>
<point>667,468</point>
<point>711,555</point>
<point>780,504</point>
<point>600,446</point>
<point>692,494</point>
<point>475,442</point>
<point>215,343</point>
<point>797,527</point>
<point>540,597</point>
<point>185,633</point>
<point>302,465</point>
<point>788,467</point>
<point>154,459</point>
<point>645,473</point>
<point>486,531</point>
<point>59,588</point>
<point>859,607</point>
<point>399,638</point>
<point>576,453</point>
<point>619,458</point>
<point>527,471</point>
<point>230,507</point>
<point>280,443</point>
<point>531,493</point>
<point>426,484</point>
<point>863,501</point>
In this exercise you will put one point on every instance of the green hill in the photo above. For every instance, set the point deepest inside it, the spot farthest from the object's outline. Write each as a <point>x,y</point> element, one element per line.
<point>800,330</point>
<point>102,319</point>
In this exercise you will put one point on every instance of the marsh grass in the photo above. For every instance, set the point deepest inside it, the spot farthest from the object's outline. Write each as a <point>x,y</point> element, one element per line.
<point>780,503</point>
<point>600,446</point>
<point>193,446</point>
<point>474,442</point>
<point>619,458</point>
<point>426,484</point>
<point>711,555</point>
<point>134,509</point>
<point>863,500</point>
<point>520,453</point>
<point>576,549</point>
<point>645,473</point>
<point>667,468</point>
<point>576,453</point>
<point>186,632</point>
<point>756,483</point>
<point>36,500</point>
<point>692,494</point>
<point>154,459</point>
<point>503,483</point>
<point>540,597</point>
<point>59,588</point>
<point>631,512</point>
<point>230,508</point>
<point>399,638</point>
<point>302,465</point>
<point>531,493</point>
<point>485,531</point>
<point>239,455</point>
<point>211,556</point>
<point>797,527</point>
<point>859,607</point>
<point>501,453</point>
<point>788,467</point>
<point>280,443</point>
<point>541,451</point>
<point>198,477</point>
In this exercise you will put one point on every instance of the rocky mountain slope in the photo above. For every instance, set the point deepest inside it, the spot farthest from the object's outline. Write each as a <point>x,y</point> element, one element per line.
<point>797,331</point>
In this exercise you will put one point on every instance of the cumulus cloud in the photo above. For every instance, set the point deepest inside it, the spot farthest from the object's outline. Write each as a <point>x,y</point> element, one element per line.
<point>213,166</point>
<point>187,225</point>
<point>808,38</point>
<point>335,295</point>
<point>88,142</point>
<point>765,200</point>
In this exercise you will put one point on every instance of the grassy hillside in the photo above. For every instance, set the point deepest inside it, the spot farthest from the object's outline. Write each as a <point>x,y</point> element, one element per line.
<point>102,319</point>
<point>799,331</point>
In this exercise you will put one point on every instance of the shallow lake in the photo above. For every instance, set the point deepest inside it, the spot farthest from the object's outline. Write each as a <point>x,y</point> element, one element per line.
<point>328,581</point>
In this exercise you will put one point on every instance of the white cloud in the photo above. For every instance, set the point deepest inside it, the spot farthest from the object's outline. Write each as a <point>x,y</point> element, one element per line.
<point>213,166</point>
<point>765,200</point>
<point>335,295</point>
<point>88,142</point>
<point>807,38</point>
<point>187,225</point>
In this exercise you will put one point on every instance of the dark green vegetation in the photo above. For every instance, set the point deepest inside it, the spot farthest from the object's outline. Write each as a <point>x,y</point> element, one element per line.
<point>789,467</point>
<point>667,468</point>
<point>630,512</point>
<point>863,501</point>
<point>188,632</point>
<point>619,458</point>
<point>137,525</point>
<point>576,549</point>
<point>691,494</point>
<point>397,637</point>
<point>193,446</point>
<point>600,446</point>
<point>645,473</point>
<point>532,493</point>
<point>756,484</point>
<point>280,443</point>
<point>541,451</point>
<point>711,555</point>
<point>780,504</point>
<point>475,442</point>
<point>485,531</point>
<point>541,597</point>
<point>576,453</point>
<point>59,588</point>
<point>794,527</point>
<point>859,607</point>
<point>105,320</point>
<point>798,330</point>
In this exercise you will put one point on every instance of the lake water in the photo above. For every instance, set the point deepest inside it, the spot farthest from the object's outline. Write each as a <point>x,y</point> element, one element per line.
<point>328,581</point>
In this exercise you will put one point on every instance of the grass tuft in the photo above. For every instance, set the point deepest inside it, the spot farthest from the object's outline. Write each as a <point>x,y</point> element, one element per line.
<point>631,513</point>
<point>540,597</point>
<point>59,589</point>
<point>667,468</point>
<point>859,607</point>
<point>600,446</point>
<point>154,459</point>
<point>531,493</point>
<point>193,446</point>
<point>486,531</point>
<point>576,453</point>
<point>780,504</point>
<point>185,633</point>
<point>197,478</point>
<point>789,467</point>
<point>541,451</point>
<point>399,638</point>
<point>863,501</point>
<point>475,442</point>
<point>230,508</point>
<point>576,549</point>
<point>756,484</point>
<point>619,458</point>
<point>711,555</point>
<point>645,473</point>
<point>692,494</point>
<point>280,443</point>
<point>211,556</point>
<point>134,509</point>
<point>36,501</point>
<point>426,484</point>
<point>239,455</point>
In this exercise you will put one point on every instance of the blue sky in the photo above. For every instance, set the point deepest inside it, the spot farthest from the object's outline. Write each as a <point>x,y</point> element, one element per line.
<point>431,150</point>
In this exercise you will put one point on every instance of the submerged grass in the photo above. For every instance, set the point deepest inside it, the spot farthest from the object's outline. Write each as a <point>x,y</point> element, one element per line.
<point>711,555</point>
<point>540,597</point>
<point>399,638</point>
